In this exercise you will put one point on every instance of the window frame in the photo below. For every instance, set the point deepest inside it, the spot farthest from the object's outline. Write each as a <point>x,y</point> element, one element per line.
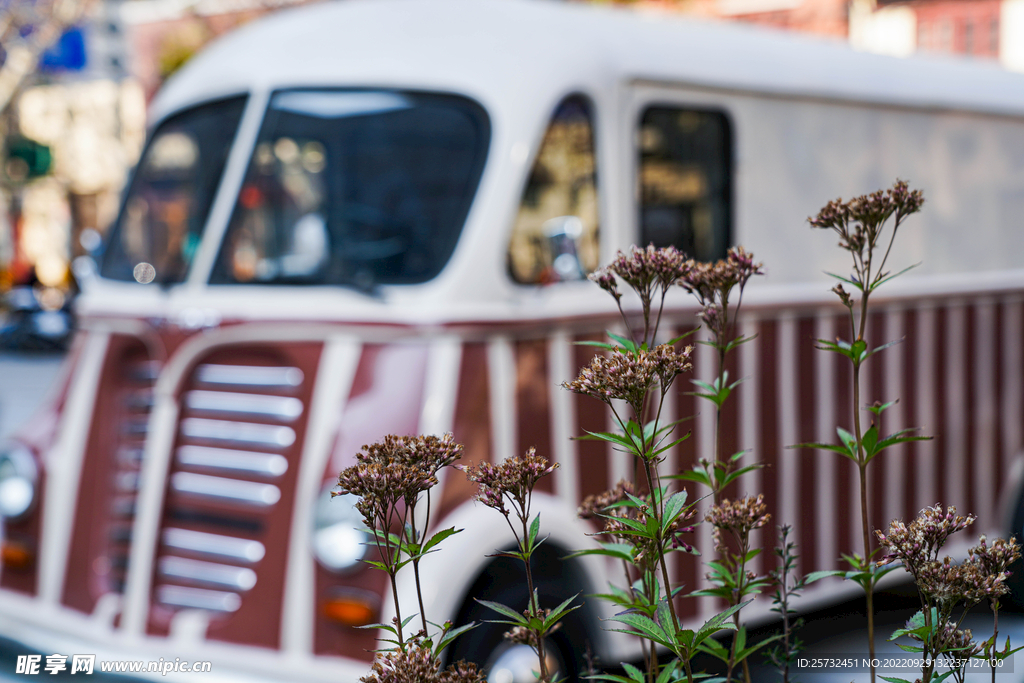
<point>658,100</point>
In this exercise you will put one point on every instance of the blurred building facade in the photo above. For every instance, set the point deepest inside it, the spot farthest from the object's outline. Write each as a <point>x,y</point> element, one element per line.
<point>990,30</point>
<point>81,109</point>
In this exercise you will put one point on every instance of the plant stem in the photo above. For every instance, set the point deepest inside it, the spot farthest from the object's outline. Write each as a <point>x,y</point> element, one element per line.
<point>534,600</point>
<point>661,553</point>
<point>995,637</point>
<point>416,568</point>
<point>862,469</point>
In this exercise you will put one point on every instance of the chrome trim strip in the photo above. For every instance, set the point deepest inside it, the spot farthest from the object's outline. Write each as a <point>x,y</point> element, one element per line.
<point>214,545</point>
<point>283,408</point>
<point>270,436</point>
<point>262,464</point>
<point>224,575</point>
<point>198,598</point>
<point>222,488</point>
<point>249,376</point>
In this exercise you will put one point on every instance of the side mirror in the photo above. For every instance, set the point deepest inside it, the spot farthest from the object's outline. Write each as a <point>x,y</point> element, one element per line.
<point>563,234</point>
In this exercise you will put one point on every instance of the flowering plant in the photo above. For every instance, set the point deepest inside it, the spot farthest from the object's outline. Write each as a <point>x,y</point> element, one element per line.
<point>946,588</point>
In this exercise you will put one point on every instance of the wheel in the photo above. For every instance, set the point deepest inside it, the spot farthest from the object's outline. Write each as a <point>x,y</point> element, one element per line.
<point>504,581</point>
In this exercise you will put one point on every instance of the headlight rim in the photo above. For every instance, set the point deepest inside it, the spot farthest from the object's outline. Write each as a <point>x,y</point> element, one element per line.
<point>24,465</point>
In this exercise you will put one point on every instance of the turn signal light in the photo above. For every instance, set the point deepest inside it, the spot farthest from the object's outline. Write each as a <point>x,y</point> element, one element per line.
<point>15,555</point>
<point>350,611</point>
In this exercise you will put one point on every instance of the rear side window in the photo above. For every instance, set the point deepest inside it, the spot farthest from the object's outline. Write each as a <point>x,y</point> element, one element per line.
<point>356,188</point>
<point>555,234</point>
<point>685,181</point>
<point>168,202</point>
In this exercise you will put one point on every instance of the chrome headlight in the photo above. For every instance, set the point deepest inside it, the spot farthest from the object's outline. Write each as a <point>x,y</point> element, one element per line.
<point>18,478</point>
<point>338,540</point>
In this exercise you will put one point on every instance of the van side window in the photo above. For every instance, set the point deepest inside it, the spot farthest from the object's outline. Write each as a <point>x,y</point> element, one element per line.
<point>168,202</point>
<point>555,235</point>
<point>685,181</point>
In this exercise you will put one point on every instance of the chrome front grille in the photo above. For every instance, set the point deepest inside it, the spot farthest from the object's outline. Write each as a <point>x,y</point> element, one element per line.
<point>236,440</point>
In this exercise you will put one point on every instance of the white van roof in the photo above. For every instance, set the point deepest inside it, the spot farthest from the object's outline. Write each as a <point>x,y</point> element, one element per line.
<point>501,50</point>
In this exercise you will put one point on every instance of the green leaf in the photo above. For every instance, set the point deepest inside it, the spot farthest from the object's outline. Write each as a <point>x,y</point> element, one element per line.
<point>736,474</point>
<point>879,283</point>
<point>878,410</point>
<point>858,351</point>
<point>674,507</point>
<point>869,441</point>
<point>894,679</point>
<point>675,443</point>
<point>534,532</point>
<point>438,537</point>
<point>645,626</point>
<point>848,440</point>
<point>817,576</point>
<point>846,280</point>
<point>560,612</point>
<point>449,636</point>
<point>909,648</point>
<point>882,347</point>
<point>634,673</point>
<point>698,476</point>
<point>841,450</point>
<point>620,551</point>
<point>516,617</point>
<point>668,672</point>
<point>614,438</point>
<point>624,343</point>
<point>684,335</point>
<point>597,344</point>
<point>613,677</point>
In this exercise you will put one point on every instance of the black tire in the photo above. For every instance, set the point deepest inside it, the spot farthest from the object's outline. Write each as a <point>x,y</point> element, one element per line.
<point>503,580</point>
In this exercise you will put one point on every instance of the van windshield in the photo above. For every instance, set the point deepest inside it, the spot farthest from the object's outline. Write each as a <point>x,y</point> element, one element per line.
<point>355,187</point>
<point>168,202</point>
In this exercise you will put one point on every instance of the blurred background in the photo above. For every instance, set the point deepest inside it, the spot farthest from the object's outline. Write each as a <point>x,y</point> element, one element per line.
<point>76,77</point>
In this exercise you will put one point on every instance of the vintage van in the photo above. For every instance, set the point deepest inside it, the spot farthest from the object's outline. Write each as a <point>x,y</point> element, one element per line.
<point>376,216</point>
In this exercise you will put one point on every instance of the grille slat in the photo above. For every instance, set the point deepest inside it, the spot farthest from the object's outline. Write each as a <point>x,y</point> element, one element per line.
<point>249,376</point>
<point>282,408</point>
<point>250,462</point>
<point>224,489</point>
<point>214,545</point>
<point>198,598</point>
<point>208,573</point>
<point>241,433</point>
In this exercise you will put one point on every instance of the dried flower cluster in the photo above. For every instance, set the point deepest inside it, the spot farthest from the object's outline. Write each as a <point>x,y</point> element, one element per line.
<point>645,270</point>
<point>917,546</point>
<point>630,377</point>
<point>919,543</point>
<point>948,584</point>
<point>395,469</point>
<point>417,664</point>
<point>713,282</point>
<point>997,558</point>
<point>512,479</point>
<point>740,516</point>
<point>859,221</point>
